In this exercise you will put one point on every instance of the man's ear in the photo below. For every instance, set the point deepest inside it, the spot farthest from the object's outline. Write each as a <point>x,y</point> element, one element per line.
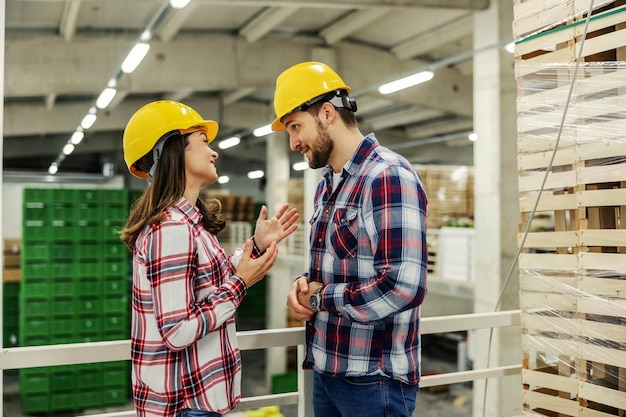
<point>328,112</point>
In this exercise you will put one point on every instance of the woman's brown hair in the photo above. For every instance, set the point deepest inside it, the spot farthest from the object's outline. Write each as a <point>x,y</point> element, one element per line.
<point>167,187</point>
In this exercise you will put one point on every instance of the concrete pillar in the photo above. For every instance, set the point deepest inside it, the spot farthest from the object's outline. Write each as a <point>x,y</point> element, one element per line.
<point>277,172</point>
<point>496,208</point>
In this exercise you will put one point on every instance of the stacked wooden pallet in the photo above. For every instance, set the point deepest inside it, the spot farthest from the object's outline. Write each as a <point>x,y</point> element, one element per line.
<point>572,167</point>
<point>450,190</point>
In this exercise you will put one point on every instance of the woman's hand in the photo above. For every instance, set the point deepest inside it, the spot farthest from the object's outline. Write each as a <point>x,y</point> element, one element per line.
<point>275,228</point>
<point>252,270</point>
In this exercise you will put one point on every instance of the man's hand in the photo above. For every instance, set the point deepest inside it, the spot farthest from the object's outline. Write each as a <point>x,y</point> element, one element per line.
<point>298,298</point>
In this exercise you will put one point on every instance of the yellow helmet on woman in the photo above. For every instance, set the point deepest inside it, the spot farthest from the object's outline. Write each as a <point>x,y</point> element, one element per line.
<point>300,84</point>
<point>152,121</point>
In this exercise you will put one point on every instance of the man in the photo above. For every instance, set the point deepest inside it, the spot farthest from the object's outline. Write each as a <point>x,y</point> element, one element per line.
<point>367,276</point>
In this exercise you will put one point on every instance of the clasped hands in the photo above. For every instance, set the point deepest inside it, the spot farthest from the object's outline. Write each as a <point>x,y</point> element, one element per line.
<point>298,298</point>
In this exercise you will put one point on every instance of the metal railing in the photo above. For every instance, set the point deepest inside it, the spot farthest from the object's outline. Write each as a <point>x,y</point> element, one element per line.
<point>79,353</point>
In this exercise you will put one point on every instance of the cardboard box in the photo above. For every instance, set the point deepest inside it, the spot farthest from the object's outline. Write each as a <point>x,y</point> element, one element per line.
<point>12,246</point>
<point>11,275</point>
<point>12,261</point>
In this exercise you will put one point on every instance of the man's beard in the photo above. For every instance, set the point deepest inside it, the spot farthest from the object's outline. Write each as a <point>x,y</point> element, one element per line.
<point>322,148</point>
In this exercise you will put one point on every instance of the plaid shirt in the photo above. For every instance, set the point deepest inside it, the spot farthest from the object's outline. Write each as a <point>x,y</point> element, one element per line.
<point>368,244</point>
<point>183,341</point>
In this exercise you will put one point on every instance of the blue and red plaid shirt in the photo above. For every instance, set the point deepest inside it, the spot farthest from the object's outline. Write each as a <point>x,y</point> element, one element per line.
<point>368,245</point>
<point>184,342</point>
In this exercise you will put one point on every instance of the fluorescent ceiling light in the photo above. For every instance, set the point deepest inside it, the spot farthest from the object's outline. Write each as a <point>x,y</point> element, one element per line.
<point>68,149</point>
<point>406,82</point>
<point>300,166</point>
<point>179,4</point>
<point>262,131</point>
<point>229,143</point>
<point>77,137</point>
<point>88,121</point>
<point>223,179</point>
<point>473,136</point>
<point>253,175</point>
<point>105,98</point>
<point>135,56</point>
<point>53,168</point>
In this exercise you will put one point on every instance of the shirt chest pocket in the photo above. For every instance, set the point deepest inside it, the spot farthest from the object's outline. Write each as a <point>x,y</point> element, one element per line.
<point>344,230</point>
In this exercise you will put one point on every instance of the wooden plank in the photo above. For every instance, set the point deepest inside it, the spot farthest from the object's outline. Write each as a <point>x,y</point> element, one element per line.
<point>547,301</point>
<point>583,110</point>
<point>531,142</point>
<point>571,31</point>
<point>548,261</point>
<point>597,305</point>
<point>606,287</point>
<point>598,198</point>
<point>534,282</point>
<point>604,237</point>
<point>603,395</point>
<point>534,16</point>
<point>596,82</point>
<point>555,180</point>
<point>549,202</point>
<point>549,345</point>
<point>602,173</point>
<point>548,239</point>
<point>602,330</point>
<point>602,354</point>
<point>600,146</point>
<point>549,324</point>
<point>547,380</point>
<point>549,402</point>
<point>588,412</point>
<point>602,261</point>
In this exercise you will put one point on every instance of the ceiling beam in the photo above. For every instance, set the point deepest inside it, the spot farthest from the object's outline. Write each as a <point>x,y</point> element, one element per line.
<point>175,21</point>
<point>450,32</point>
<point>236,95</point>
<point>351,23</point>
<point>69,19</point>
<point>267,20</point>
<point>356,4</point>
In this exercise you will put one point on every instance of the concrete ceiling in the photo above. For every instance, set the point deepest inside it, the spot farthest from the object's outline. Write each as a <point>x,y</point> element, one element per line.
<point>222,58</point>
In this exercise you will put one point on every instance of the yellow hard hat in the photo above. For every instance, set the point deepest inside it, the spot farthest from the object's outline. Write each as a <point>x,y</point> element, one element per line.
<point>301,83</point>
<point>152,121</point>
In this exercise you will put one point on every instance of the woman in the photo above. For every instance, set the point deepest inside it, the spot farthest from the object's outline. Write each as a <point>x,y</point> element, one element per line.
<point>185,357</point>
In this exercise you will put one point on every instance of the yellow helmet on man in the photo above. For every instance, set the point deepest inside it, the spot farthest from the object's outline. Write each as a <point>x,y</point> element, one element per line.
<point>301,83</point>
<point>152,121</point>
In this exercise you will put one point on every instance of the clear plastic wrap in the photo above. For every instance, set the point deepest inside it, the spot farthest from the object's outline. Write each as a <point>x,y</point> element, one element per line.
<point>573,264</point>
<point>573,203</point>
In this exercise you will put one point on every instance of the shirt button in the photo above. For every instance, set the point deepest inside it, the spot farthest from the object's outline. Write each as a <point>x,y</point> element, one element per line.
<point>319,240</point>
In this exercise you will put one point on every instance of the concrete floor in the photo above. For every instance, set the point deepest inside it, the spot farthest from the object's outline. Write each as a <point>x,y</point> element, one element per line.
<point>438,357</point>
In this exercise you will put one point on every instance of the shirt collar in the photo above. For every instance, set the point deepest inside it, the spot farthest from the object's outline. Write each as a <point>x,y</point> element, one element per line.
<point>354,164</point>
<point>189,210</point>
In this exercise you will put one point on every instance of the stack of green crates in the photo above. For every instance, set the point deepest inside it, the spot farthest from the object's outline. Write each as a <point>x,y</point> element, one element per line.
<point>74,288</point>
<point>10,313</point>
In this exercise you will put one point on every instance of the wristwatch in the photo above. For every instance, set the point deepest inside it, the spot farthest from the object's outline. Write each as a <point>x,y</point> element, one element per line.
<point>315,300</point>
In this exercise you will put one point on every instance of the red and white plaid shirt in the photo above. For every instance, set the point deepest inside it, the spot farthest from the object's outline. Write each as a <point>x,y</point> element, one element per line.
<point>185,293</point>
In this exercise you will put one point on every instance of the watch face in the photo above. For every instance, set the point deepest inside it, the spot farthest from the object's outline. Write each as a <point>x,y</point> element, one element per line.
<point>314,302</point>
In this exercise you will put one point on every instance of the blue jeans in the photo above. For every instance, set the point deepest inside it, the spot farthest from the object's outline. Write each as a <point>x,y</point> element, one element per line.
<point>188,412</point>
<point>367,396</point>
